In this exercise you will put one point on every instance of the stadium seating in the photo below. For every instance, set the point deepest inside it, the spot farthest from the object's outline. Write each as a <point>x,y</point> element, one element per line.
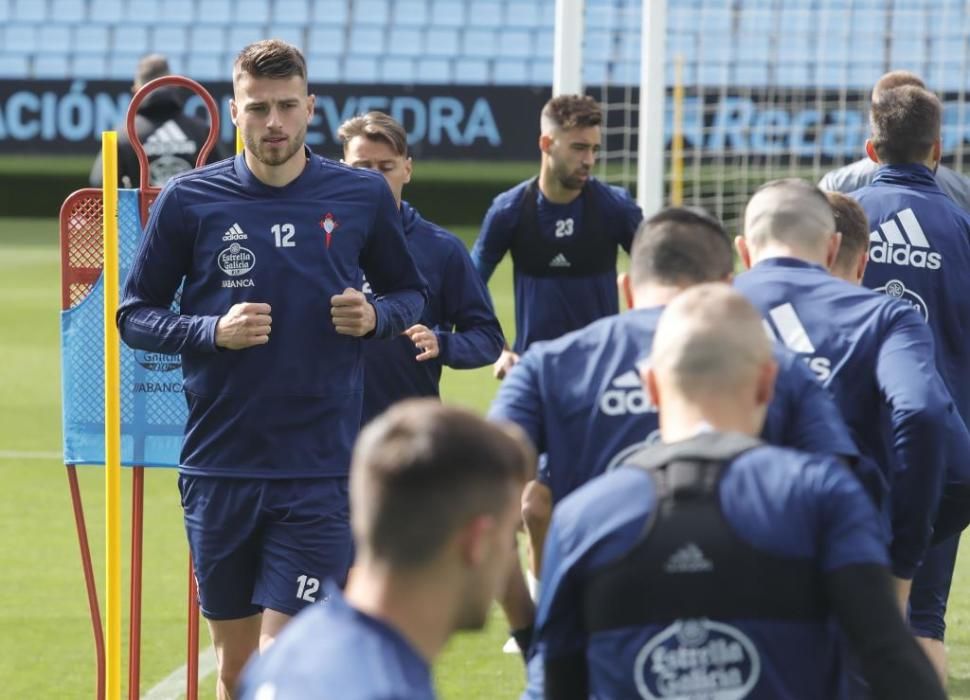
<point>734,42</point>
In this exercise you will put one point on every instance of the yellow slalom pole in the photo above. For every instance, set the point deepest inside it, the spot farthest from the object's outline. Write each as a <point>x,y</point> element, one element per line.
<point>112,419</point>
<point>677,142</point>
<point>239,142</point>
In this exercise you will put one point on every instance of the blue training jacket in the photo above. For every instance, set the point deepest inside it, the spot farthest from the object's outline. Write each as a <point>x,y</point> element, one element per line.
<point>580,400</point>
<point>289,408</point>
<point>459,311</point>
<point>919,251</point>
<point>875,356</point>
<point>548,307</point>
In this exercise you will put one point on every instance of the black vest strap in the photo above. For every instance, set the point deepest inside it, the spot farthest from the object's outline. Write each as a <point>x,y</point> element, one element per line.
<point>688,562</point>
<point>588,252</point>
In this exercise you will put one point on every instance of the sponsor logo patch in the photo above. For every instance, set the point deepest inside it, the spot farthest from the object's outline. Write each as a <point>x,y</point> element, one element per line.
<point>236,260</point>
<point>897,290</point>
<point>157,362</point>
<point>901,241</point>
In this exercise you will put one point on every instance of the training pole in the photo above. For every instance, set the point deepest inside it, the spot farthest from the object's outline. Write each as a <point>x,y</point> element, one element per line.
<point>112,418</point>
<point>677,144</point>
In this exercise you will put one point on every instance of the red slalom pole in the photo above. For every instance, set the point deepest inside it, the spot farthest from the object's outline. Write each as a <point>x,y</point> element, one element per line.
<point>192,662</point>
<point>137,537</point>
<point>89,581</point>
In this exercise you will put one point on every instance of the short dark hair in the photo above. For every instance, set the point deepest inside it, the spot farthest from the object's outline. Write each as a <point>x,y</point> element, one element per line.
<point>270,58</point>
<point>421,470</point>
<point>905,124</point>
<point>375,126</point>
<point>895,79</point>
<point>573,111</point>
<point>851,222</point>
<point>152,66</point>
<point>681,246</point>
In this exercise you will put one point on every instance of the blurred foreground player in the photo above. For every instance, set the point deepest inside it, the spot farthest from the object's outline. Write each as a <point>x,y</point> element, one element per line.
<point>269,335</point>
<point>458,328</point>
<point>562,229</point>
<point>711,564</point>
<point>434,493</point>
<point>931,583</point>
<point>171,139</point>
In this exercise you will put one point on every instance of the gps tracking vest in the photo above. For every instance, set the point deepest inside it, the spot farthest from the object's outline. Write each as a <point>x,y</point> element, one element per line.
<point>691,577</point>
<point>589,252</point>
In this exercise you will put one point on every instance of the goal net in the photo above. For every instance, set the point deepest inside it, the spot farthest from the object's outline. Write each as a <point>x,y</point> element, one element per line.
<point>771,88</point>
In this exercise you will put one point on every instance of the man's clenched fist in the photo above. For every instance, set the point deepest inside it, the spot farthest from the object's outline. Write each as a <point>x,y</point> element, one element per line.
<point>352,314</point>
<point>243,326</point>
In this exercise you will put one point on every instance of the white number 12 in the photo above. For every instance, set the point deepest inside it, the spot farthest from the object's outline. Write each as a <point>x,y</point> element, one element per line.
<point>284,235</point>
<point>308,588</point>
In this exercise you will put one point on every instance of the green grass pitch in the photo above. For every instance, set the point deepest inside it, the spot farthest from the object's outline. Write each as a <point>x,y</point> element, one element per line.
<point>46,649</point>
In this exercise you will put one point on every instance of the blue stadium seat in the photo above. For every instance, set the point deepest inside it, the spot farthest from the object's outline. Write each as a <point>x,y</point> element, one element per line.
<point>750,74</point>
<point>90,39</point>
<point>908,53</point>
<point>179,12</point>
<point>547,13</point>
<point>129,38</point>
<point>681,18</point>
<point>64,11</point>
<point>5,10</point>
<point>625,73</point>
<point>397,70</point>
<point>107,11</point>
<point>447,13</point>
<point>370,12</point>
<point>203,67</point>
<point>434,70</point>
<point>600,16</point>
<point>323,68</point>
<point>515,43</point>
<point>544,43</point>
<point>290,33</point>
<point>478,43</point>
<point>519,13</point>
<point>215,12</point>
<point>681,44</point>
<point>244,35</point>
<point>89,66</point>
<point>714,58</point>
<point>122,66</point>
<point>366,41</point>
<point>864,74</point>
<point>688,73</point>
<point>55,39</point>
<point>715,21</point>
<point>360,70</point>
<point>756,21</point>
<point>141,11</point>
<point>598,46</point>
<point>628,47</point>
<point>510,72</point>
<point>207,40</point>
<point>248,12</point>
<point>410,13</point>
<point>20,37</point>
<point>169,39</point>
<point>471,71</point>
<point>485,14</point>
<point>441,41</point>
<point>328,12</point>
<point>29,11</point>
<point>289,11</point>
<point>946,58</point>
<point>946,19</point>
<point>13,65</point>
<point>908,23</point>
<point>540,72</point>
<point>596,72</point>
<point>405,41</point>
<point>327,41</point>
<point>55,66</point>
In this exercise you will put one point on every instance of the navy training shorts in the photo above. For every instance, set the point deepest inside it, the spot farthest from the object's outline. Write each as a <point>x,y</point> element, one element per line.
<point>265,543</point>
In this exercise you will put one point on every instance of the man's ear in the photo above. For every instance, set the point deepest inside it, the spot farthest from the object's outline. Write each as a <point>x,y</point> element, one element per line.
<point>625,288</point>
<point>408,169</point>
<point>741,245</point>
<point>835,242</point>
<point>649,378</point>
<point>871,151</point>
<point>938,152</point>
<point>311,106</point>
<point>545,142</point>
<point>233,111</point>
<point>766,382</point>
<point>473,540</point>
<point>860,269</point>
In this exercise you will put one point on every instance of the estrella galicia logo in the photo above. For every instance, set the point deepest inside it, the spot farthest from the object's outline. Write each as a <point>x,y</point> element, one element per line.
<point>697,659</point>
<point>157,361</point>
<point>897,290</point>
<point>236,260</point>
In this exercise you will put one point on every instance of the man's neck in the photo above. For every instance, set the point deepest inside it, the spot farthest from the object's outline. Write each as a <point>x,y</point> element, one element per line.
<point>680,420</point>
<point>780,250</point>
<point>416,605</point>
<point>553,190</point>
<point>277,175</point>
<point>648,296</point>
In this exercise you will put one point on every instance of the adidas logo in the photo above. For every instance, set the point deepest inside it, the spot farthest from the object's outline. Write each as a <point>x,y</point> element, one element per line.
<point>787,328</point>
<point>903,243</point>
<point>626,396</point>
<point>235,233</point>
<point>559,261</point>
<point>169,140</point>
<point>689,559</point>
